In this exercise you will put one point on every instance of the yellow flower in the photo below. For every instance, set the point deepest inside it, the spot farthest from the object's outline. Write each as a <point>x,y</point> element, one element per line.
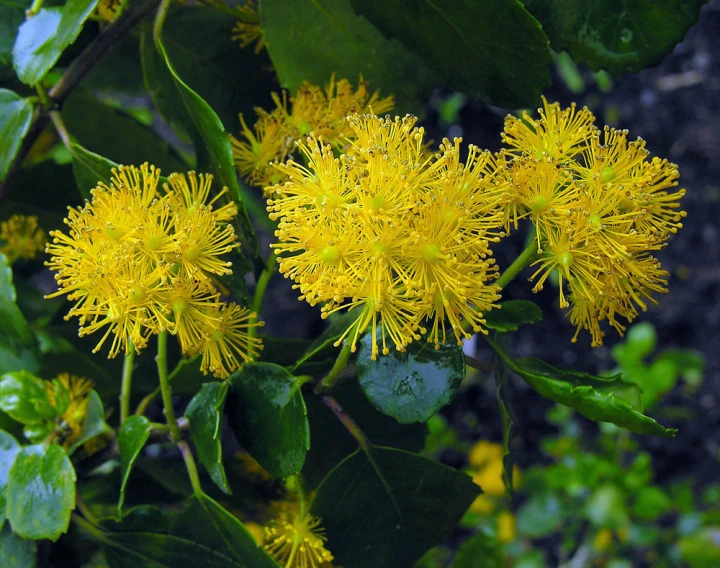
<point>506,527</point>
<point>387,231</point>
<point>139,262</point>
<point>268,141</point>
<point>108,9</point>
<point>248,30</point>
<point>603,540</point>
<point>297,540</point>
<point>557,135</point>
<point>72,420</point>
<point>486,464</point>
<point>21,237</point>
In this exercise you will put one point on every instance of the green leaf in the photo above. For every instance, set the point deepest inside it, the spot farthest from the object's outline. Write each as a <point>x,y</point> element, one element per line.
<point>413,385</point>
<point>134,433</point>
<point>541,515</point>
<point>480,551</point>
<point>309,40</point>
<point>650,503</point>
<point>94,424</point>
<point>42,38</point>
<point>605,508</point>
<point>116,134</point>
<point>204,413</point>
<point>134,549</point>
<point>268,415</point>
<point>15,117</point>
<point>9,449</point>
<point>17,342</point>
<point>324,344</point>
<point>505,405</point>
<point>203,520</point>
<point>369,526</point>
<point>331,442</point>
<point>494,50</point>
<point>25,398</point>
<point>615,35</point>
<point>513,314</point>
<point>178,102</point>
<point>701,549</point>
<point>10,19</point>
<point>16,552</point>
<point>230,79</point>
<point>90,169</point>
<point>41,492</point>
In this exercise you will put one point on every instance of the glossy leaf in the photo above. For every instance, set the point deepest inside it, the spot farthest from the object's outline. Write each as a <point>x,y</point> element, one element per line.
<point>203,520</point>
<point>41,492</point>
<point>370,525</point>
<point>134,433</point>
<point>94,424</point>
<point>90,169</point>
<point>494,50</point>
<point>42,38</point>
<point>25,398</point>
<point>413,385</point>
<point>513,314</point>
<point>480,551</point>
<point>116,135</point>
<point>179,103</point>
<point>604,399</point>
<point>204,413</point>
<point>15,117</point>
<point>15,551</point>
<point>615,35</point>
<point>309,40</point>
<point>330,442</point>
<point>9,449</point>
<point>268,415</point>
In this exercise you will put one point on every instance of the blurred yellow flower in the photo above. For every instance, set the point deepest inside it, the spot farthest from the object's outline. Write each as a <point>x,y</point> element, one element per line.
<point>296,539</point>
<point>138,261</point>
<point>506,527</point>
<point>485,460</point>
<point>384,230</point>
<point>72,421</point>
<point>248,30</point>
<point>21,237</point>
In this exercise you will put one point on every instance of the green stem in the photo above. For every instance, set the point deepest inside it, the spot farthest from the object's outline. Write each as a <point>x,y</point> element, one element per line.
<point>260,290</point>
<point>35,8</point>
<point>501,352</point>
<point>326,385</point>
<point>191,467</point>
<point>159,23</point>
<point>165,388</point>
<point>128,365</point>
<point>526,257</point>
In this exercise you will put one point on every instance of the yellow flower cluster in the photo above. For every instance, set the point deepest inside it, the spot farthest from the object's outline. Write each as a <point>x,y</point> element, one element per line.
<point>310,110</point>
<point>384,229</point>
<point>296,540</point>
<point>600,207</point>
<point>247,30</point>
<point>21,237</point>
<point>139,261</point>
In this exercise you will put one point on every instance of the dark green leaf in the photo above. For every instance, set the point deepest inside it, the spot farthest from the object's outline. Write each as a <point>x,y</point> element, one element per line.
<point>116,135</point>
<point>143,518</point>
<point>268,415</point>
<point>204,413</point>
<point>41,492</point>
<point>25,398</point>
<point>17,342</point>
<point>480,551</point>
<point>230,79</point>
<point>94,424</point>
<point>331,442</point>
<point>42,38</point>
<point>494,50</point>
<point>413,385</point>
<point>179,103</point>
<point>90,169</point>
<point>133,435</point>
<point>505,405</point>
<point>203,520</point>
<point>603,399</point>
<point>15,116</point>
<point>540,515</point>
<point>9,449</point>
<point>512,314</point>
<point>324,344</point>
<point>367,526</point>
<point>309,40</point>
<point>134,549</point>
<point>615,35</point>
<point>14,551</point>
<point>10,19</point>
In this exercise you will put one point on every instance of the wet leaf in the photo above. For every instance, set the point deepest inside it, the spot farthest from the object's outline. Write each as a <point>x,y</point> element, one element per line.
<point>41,492</point>
<point>9,449</point>
<point>413,385</point>
<point>25,398</point>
